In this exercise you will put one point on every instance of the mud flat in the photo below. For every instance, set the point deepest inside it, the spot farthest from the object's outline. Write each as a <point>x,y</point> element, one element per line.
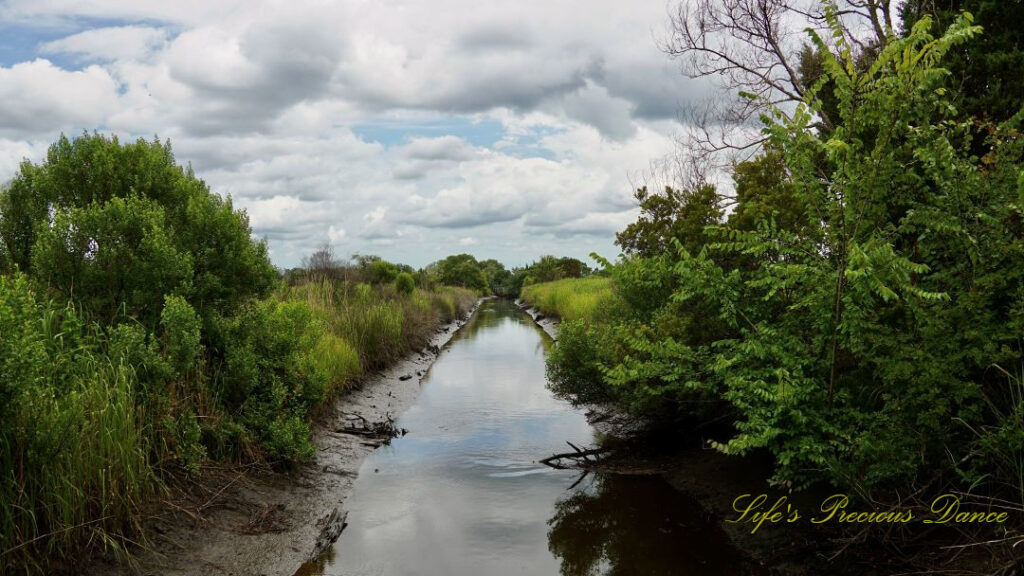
<point>250,523</point>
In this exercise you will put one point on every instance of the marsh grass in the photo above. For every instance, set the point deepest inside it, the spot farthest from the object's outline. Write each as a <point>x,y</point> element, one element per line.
<point>998,446</point>
<point>74,454</point>
<point>377,323</point>
<point>572,298</point>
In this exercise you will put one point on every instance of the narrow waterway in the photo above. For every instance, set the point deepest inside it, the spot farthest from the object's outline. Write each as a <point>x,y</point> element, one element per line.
<point>462,494</point>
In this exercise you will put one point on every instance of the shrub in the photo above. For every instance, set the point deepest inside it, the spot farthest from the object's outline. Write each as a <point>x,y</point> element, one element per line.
<point>128,227</point>
<point>263,378</point>
<point>574,364</point>
<point>383,272</point>
<point>405,283</point>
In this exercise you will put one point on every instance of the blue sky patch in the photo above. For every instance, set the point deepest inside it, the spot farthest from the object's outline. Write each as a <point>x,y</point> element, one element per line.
<point>391,132</point>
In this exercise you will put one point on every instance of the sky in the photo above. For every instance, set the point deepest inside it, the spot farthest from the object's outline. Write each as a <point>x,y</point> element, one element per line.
<point>406,129</point>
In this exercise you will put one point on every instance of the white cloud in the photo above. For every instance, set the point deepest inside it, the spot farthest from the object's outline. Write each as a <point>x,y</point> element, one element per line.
<point>39,97</point>
<point>549,108</point>
<point>113,43</point>
<point>336,235</point>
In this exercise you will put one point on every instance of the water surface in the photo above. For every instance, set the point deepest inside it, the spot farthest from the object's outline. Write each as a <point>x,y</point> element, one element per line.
<point>462,494</point>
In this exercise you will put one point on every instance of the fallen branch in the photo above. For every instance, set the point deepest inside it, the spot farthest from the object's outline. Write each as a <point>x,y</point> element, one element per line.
<point>578,455</point>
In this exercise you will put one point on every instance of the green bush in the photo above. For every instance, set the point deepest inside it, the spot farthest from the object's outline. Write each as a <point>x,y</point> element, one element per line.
<point>405,283</point>
<point>264,376</point>
<point>574,366</point>
<point>129,226</point>
<point>382,272</point>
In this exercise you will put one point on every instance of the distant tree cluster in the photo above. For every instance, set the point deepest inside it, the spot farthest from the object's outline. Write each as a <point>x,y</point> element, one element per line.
<point>462,270</point>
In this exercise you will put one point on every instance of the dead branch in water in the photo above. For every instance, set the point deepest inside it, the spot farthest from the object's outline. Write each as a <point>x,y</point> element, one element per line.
<point>581,458</point>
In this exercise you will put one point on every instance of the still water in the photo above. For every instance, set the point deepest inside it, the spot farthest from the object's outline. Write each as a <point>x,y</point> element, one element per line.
<point>462,494</point>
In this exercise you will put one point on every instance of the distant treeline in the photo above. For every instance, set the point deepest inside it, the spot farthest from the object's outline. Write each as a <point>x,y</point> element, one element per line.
<point>463,270</point>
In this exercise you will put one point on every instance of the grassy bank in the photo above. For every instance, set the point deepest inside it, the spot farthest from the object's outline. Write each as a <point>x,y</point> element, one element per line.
<point>571,298</point>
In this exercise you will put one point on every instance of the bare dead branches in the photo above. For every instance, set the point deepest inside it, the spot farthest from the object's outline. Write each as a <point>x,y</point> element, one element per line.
<point>580,458</point>
<point>756,48</point>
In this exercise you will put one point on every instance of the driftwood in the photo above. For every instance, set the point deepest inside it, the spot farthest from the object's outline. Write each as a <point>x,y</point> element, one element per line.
<point>381,432</point>
<point>580,458</point>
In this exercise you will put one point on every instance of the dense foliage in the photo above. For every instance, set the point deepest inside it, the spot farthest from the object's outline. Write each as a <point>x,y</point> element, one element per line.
<point>984,74</point>
<point>857,312</point>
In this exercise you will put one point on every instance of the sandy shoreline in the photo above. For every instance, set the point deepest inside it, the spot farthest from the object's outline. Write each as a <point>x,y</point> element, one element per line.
<point>268,523</point>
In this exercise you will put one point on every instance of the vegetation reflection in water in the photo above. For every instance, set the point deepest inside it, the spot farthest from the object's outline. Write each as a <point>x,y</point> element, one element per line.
<point>462,493</point>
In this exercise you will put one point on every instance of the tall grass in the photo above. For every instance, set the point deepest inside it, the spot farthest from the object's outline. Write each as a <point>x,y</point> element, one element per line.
<point>998,446</point>
<point>74,454</point>
<point>571,298</point>
<point>376,324</point>
<point>375,328</point>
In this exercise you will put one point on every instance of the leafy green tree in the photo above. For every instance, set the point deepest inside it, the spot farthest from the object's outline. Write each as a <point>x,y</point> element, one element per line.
<point>764,192</point>
<point>672,215</point>
<point>462,270</point>
<point>498,278</point>
<point>112,256</point>
<point>6,265</point>
<point>123,225</point>
<point>985,74</point>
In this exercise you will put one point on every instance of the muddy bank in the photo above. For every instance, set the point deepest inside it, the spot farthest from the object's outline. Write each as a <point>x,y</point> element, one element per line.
<point>249,523</point>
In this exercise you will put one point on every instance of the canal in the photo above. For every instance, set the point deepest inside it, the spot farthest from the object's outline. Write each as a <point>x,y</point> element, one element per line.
<point>462,492</point>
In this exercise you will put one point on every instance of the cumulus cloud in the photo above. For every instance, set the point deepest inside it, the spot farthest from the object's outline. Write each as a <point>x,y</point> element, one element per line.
<point>513,127</point>
<point>39,97</point>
